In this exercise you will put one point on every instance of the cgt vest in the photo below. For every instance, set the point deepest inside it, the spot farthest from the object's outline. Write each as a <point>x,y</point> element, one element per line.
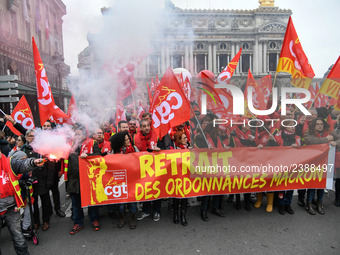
<point>9,185</point>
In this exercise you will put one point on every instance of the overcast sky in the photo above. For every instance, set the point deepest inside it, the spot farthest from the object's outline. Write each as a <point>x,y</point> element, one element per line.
<point>315,22</point>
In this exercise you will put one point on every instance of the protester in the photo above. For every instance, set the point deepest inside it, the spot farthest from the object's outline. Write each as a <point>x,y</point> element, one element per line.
<point>4,147</point>
<point>319,133</point>
<point>122,143</point>
<point>81,145</point>
<point>132,128</point>
<point>123,126</point>
<point>10,197</point>
<point>146,140</point>
<point>210,139</point>
<point>287,137</point>
<point>53,176</point>
<point>242,136</point>
<point>21,140</point>
<point>337,165</point>
<point>181,142</point>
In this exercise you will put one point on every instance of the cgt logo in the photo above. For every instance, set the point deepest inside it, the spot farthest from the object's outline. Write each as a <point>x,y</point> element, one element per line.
<point>116,191</point>
<point>164,112</point>
<point>22,118</point>
<point>116,184</point>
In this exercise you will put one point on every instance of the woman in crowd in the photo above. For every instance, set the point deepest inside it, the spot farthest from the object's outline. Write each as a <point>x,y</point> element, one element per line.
<point>337,164</point>
<point>242,136</point>
<point>210,139</point>
<point>181,142</point>
<point>319,133</point>
<point>121,143</point>
<point>287,137</point>
<point>21,140</point>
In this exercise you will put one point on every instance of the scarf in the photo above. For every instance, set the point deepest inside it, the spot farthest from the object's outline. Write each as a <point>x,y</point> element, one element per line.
<point>288,138</point>
<point>129,149</point>
<point>145,139</point>
<point>322,134</point>
<point>244,137</point>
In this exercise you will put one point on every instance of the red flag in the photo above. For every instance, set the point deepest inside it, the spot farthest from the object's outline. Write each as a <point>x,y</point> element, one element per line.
<point>337,106</point>
<point>149,92</point>
<point>156,82</point>
<point>258,96</point>
<point>120,113</point>
<point>265,84</point>
<point>153,86</point>
<point>47,106</point>
<point>331,85</point>
<point>123,76</point>
<point>22,114</point>
<point>72,108</point>
<point>58,116</point>
<point>293,59</point>
<point>228,72</point>
<point>187,88</point>
<point>170,106</point>
<point>140,110</point>
<point>222,108</point>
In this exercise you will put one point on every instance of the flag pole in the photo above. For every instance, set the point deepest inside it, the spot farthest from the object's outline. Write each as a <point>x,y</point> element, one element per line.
<point>274,79</point>
<point>199,125</point>
<point>256,118</point>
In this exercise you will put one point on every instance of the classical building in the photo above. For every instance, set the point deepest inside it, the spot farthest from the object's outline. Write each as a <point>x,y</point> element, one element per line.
<point>19,21</point>
<point>208,39</point>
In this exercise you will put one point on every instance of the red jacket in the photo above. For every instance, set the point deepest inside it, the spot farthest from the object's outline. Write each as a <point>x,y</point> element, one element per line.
<point>145,142</point>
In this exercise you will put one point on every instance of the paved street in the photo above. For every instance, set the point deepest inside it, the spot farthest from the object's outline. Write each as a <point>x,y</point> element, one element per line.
<point>241,232</point>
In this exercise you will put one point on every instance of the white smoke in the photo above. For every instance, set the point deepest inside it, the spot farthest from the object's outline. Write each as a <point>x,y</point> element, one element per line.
<point>132,29</point>
<point>55,143</point>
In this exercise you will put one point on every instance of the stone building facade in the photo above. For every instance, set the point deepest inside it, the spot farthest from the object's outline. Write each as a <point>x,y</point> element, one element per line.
<point>19,21</point>
<point>208,39</point>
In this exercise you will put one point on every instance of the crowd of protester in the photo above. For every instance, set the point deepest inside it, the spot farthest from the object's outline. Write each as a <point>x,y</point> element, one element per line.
<point>134,135</point>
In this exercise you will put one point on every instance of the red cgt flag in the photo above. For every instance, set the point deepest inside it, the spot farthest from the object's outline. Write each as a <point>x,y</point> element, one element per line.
<point>170,106</point>
<point>22,114</point>
<point>47,106</point>
<point>293,59</point>
<point>257,96</point>
<point>228,72</point>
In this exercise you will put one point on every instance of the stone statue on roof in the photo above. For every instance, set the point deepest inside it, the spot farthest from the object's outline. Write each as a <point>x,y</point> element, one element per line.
<point>266,3</point>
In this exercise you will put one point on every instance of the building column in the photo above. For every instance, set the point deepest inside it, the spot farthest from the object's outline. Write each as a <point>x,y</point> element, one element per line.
<point>214,58</point>
<point>265,57</point>
<point>260,58</point>
<point>218,64</point>
<point>163,64</point>
<point>205,62</point>
<point>182,61</point>
<point>239,67</point>
<point>209,56</point>
<point>158,64</point>
<point>255,56</point>
<point>191,58</point>
<point>195,64</point>
<point>167,57</point>
<point>186,57</point>
<point>250,63</point>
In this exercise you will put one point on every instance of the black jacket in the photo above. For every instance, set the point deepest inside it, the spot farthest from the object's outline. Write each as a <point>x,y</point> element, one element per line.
<point>4,147</point>
<point>47,175</point>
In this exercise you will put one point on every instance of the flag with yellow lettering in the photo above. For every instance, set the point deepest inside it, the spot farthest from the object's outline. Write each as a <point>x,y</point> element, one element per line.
<point>293,59</point>
<point>331,85</point>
